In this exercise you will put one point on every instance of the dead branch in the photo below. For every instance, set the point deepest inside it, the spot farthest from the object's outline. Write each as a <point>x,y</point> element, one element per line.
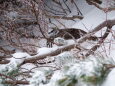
<point>108,9</point>
<point>59,3</point>
<point>63,17</point>
<point>94,48</point>
<point>67,6</point>
<point>4,62</point>
<point>109,66</point>
<point>16,82</point>
<point>2,50</point>
<point>58,51</point>
<point>66,48</point>
<point>51,10</point>
<point>19,23</point>
<point>37,18</point>
<point>77,8</point>
<point>53,53</point>
<point>99,27</point>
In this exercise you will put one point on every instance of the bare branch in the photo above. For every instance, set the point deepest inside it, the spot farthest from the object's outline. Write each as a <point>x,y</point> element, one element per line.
<point>85,37</point>
<point>16,82</point>
<point>99,27</point>
<point>63,17</point>
<point>94,48</point>
<point>66,48</point>
<point>101,8</point>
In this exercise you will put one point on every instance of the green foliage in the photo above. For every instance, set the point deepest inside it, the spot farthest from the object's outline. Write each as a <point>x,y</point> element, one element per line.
<point>67,81</point>
<point>91,79</point>
<point>10,74</point>
<point>98,77</point>
<point>13,72</point>
<point>103,74</point>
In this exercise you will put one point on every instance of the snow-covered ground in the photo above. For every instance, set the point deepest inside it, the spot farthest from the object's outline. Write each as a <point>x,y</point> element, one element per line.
<point>92,18</point>
<point>90,21</point>
<point>110,81</point>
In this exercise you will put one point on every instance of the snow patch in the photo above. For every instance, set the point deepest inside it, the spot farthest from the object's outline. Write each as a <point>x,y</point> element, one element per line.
<point>110,81</point>
<point>20,55</point>
<point>45,50</point>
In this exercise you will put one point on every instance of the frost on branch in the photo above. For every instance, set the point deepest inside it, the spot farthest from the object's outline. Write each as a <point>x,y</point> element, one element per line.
<point>9,70</point>
<point>38,78</point>
<point>72,72</point>
<point>12,67</point>
<point>65,58</point>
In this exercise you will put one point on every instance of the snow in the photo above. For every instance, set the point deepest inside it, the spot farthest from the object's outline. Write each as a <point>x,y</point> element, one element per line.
<point>37,78</point>
<point>60,41</point>
<point>45,50</point>
<point>56,76</point>
<point>87,67</point>
<point>20,55</point>
<point>110,80</point>
<point>69,66</point>
<point>15,61</point>
<point>12,65</point>
<point>12,15</point>
<point>65,58</point>
<point>91,22</point>
<point>67,73</point>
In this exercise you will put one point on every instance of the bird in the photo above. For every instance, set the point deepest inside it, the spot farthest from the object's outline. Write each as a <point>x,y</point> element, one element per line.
<point>66,33</point>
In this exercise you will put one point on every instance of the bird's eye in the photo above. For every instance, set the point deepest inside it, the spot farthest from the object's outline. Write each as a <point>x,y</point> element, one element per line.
<point>51,32</point>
